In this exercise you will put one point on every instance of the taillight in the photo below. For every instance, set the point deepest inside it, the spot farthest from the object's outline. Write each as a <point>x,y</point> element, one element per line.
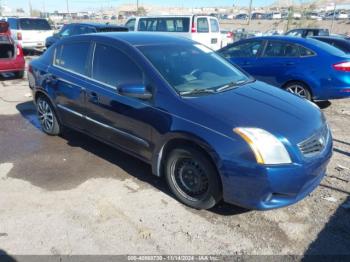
<point>19,51</point>
<point>343,66</point>
<point>229,35</point>
<point>19,36</point>
<point>194,27</point>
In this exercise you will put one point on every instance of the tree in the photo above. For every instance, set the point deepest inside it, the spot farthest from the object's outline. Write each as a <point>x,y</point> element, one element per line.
<point>141,11</point>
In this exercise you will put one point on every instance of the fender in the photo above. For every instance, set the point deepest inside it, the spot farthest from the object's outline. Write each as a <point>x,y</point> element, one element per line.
<point>158,156</point>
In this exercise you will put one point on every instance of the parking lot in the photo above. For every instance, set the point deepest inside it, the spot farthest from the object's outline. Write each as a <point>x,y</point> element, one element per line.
<point>74,195</point>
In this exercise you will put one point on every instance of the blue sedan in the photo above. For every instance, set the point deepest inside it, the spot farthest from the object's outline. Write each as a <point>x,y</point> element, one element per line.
<point>210,129</point>
<point>307,67</point>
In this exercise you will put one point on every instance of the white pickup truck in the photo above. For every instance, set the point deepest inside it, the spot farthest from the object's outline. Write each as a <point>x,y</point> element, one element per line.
<point>30,33</point>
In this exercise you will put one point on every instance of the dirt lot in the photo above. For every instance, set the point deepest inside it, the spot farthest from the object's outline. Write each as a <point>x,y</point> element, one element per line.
<point>73,195</point>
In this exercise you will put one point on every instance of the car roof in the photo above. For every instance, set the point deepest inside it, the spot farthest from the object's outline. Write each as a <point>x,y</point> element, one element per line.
<point>309,28</point>
<point>333,37</point>
<point>97,25</point>
<point>138,38</point>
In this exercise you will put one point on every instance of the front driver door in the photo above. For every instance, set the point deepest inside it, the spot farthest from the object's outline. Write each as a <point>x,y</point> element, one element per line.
<point>246,55</point>
<point>122,121</point>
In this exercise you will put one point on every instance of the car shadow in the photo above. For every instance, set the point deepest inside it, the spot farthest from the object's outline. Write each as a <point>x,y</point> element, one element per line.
<point>333,242</point>
<point>8,77</point>
<point>323,104</point>
<point>131,165</point>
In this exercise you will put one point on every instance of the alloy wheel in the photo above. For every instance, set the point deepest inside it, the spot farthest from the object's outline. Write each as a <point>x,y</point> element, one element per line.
<point>297,90</point>
<point>45,115</point>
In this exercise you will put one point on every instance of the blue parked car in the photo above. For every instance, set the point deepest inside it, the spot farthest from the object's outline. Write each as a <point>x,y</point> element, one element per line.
<point>307,67</point>
<point>211,130</point>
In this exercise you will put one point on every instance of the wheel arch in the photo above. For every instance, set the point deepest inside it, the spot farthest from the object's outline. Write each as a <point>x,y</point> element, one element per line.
<point>307,85</point>
<point>42,93</point>
<point>182,140</point>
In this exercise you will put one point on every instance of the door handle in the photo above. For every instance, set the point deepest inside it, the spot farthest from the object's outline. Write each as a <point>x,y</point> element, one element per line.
<point>93,97</point>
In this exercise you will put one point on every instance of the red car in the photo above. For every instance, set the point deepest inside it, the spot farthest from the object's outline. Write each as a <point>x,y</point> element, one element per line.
<point>11,54</point>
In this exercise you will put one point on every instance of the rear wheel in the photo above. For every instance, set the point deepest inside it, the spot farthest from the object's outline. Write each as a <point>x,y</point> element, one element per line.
<point>19,74</point>
<point>192,178</point>
<point>47,117</point>
<point>299,89</point>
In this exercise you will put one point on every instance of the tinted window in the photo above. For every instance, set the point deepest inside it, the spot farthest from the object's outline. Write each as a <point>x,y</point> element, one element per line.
<point>67,31</point>
<point>80,30</point>
<point>147,24</point>
<point>169,24</point>
<point>305,51</point>
<point>131,24</point>
<point>295,33</point>
<point>34,24</point>
<point>214,25</point>
<point>191,67</point>
<point>281,49</point>
<point>202,25</point>
<point>72,56</point>
<point>113,67</point>
<point>247,49</point>
<point>13,23</point>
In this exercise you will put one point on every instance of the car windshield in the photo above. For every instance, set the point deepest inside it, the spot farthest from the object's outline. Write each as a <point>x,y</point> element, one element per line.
<point>34,24</point>
<point>194,68</point>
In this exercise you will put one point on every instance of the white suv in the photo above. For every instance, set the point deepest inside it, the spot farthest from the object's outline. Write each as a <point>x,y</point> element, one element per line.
<point>203,29</point>
<point>30,33</point>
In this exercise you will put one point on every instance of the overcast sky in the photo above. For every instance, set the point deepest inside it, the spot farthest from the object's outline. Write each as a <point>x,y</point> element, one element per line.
<point>77,5</point>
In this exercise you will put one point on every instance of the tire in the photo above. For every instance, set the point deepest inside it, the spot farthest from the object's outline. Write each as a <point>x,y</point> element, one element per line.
<point>47,117</point>
<point>19,74</point>
<point>299,89</point>
<point>192,178</point>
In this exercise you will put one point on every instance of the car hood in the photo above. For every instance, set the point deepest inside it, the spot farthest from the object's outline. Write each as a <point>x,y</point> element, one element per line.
<point>257,105</point>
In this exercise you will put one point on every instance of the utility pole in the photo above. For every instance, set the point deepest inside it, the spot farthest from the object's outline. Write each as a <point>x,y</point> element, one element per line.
<point>30,8</point>
<point>250,11</point>
<point>333,18</point>
<point>137,7</point>
<point>68,13</point>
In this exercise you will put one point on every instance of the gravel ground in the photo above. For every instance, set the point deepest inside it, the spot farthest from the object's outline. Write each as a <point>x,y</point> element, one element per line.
<point>73,195</point>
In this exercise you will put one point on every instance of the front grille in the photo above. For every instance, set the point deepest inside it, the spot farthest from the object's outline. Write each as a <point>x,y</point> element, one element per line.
<point>315,144</point>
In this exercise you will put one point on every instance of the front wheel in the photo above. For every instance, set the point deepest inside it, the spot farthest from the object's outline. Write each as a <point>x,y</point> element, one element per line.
<point>47,117</point>
<point>299,89</point>
<point>192,178</point>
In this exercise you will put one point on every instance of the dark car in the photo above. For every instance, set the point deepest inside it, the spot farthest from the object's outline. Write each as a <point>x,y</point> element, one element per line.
<point>308,32</point>
<point>343,43</point>
<point>82,28</point>
<point>212,131</point>
<point>303,66</point>
<point>242,17</point>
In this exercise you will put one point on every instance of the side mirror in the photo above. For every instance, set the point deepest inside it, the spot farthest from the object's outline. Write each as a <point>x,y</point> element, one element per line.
<point>134,90</point>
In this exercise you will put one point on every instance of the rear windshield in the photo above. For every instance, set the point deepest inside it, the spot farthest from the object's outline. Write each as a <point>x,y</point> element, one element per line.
<point>165,24</point>
<point>34,24</point>
<point>112,29</point>
<point>327,47</point>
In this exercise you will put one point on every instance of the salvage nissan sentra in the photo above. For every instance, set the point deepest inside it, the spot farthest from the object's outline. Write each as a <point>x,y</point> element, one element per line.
<point>211,130</point>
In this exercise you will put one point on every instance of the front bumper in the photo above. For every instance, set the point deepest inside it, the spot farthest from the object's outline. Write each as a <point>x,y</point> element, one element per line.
<point>268,187</point>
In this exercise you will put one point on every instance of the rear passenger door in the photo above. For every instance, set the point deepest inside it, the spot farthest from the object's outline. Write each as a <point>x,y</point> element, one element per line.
<point>120,120</point>
<point>66,80</point>
<point>278,62</point>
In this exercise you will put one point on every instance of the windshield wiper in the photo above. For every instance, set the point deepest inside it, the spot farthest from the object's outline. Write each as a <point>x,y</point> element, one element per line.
<point>197,91</point>
<point>232,85</point>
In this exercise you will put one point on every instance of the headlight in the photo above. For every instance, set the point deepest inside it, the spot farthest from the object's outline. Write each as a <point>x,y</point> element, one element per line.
<point>266,147</point>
